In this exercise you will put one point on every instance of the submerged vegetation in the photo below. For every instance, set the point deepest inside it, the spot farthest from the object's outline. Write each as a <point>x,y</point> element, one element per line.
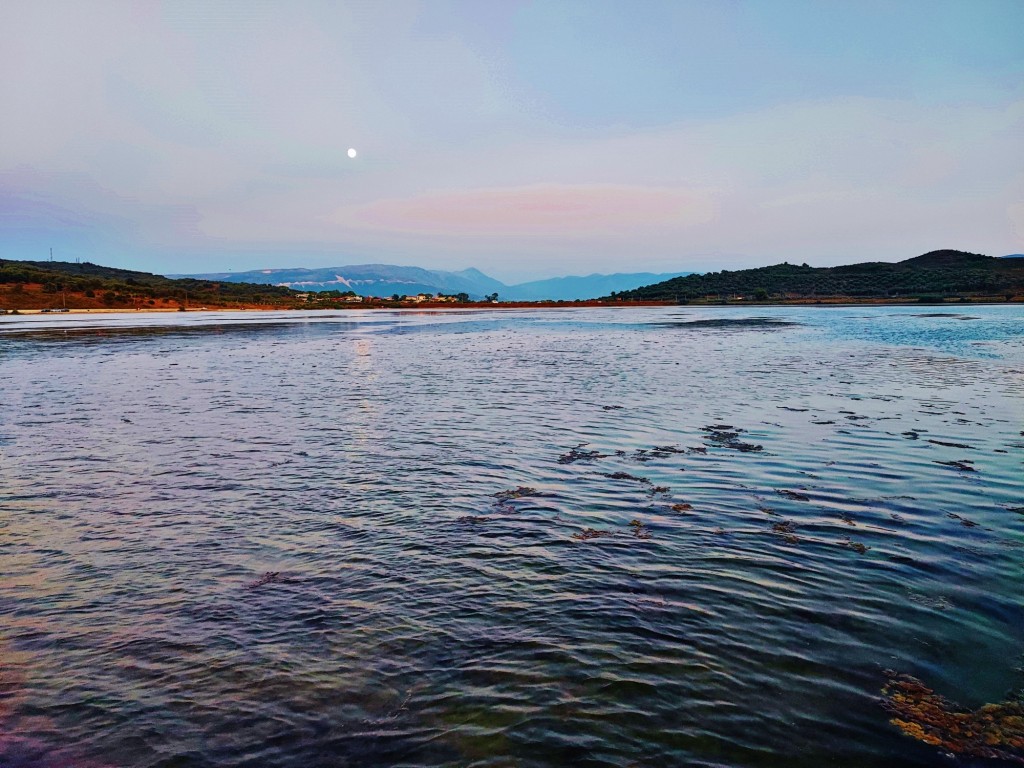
<point>993,731</point>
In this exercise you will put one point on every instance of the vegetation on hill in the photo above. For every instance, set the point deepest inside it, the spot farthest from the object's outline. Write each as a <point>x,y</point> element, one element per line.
<point>59,283</point>
<point>935,275</point>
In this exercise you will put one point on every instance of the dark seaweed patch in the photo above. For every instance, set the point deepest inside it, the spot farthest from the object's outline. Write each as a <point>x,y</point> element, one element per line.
<point>590,533</point>
<point>640,530</point>
<point>793,495</point>
<point>727,436</point>
<point>963,520</point>
<point>270,577</point>
<point>517,493</point>
<point>963,466</point>
<point>625,476</point>
<point>993,731</point>
<point>856,546</point>
<point>756,323</point>
<point>577,454</point>
<point>951,445</point>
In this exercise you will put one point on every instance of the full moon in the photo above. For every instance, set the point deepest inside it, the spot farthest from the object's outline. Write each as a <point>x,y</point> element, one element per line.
<point>352,152</point>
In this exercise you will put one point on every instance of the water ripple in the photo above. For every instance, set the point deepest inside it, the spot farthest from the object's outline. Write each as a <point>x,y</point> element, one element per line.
<point>530,538</point>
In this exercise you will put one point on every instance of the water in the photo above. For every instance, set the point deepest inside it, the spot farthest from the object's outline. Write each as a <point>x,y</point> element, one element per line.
<point>154,470</point>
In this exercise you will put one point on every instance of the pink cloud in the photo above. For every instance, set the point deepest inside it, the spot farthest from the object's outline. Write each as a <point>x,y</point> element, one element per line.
<point>550,210</point>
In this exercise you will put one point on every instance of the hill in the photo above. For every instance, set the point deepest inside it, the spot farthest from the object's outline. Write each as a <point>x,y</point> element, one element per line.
<point>33,284</point>
<point>936,274</point>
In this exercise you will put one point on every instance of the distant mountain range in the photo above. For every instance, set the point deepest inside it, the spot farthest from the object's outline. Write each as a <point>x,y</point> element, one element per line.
<point>936,274</point>
<point>388,279</point>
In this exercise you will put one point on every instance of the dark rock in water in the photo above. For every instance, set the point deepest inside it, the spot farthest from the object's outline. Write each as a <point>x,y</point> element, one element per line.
<point>793,495</point>
<point>611,407</point>
<point>911,435</point>
<point>682,507</point>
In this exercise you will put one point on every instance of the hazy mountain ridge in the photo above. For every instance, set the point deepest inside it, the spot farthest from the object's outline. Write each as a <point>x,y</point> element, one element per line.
<point>583,287</point>
<point>389,279</point>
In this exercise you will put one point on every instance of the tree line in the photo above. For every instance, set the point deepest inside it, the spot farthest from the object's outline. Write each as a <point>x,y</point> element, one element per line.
<point>939,274</point>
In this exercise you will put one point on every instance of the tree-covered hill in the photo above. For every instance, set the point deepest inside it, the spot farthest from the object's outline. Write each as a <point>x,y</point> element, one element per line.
<point>85,284</point>
<point>936,274</point>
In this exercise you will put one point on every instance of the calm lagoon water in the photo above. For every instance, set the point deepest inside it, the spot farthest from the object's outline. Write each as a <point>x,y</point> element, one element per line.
<point>282,539</point>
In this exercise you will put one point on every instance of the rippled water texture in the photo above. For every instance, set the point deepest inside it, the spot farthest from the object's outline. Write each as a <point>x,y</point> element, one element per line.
<point>282,539</point>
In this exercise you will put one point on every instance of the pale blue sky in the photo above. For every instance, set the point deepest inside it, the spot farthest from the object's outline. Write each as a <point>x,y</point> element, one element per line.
<point>526,139</point>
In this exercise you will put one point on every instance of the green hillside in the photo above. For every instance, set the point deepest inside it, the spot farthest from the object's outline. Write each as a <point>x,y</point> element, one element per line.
<point>114,287</point>
<point>934,275</point>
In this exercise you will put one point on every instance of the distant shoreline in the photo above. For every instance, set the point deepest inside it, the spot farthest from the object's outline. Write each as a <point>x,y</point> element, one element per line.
<point>844,302</point>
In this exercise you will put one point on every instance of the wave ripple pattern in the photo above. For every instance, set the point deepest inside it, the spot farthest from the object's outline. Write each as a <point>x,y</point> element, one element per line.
<point>638,537</point>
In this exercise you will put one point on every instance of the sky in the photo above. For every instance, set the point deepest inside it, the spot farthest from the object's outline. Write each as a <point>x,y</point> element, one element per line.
<point>526,139</point>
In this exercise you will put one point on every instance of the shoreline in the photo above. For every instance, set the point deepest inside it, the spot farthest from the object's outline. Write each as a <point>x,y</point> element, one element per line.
<point>515,305</point>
